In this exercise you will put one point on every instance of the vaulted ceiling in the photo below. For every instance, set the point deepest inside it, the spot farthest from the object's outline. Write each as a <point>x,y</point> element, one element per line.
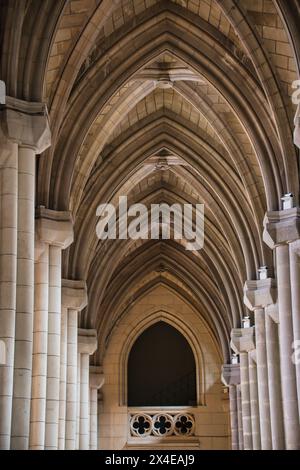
<point>162,101</point>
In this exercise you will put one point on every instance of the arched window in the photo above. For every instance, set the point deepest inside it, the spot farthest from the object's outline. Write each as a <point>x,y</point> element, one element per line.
<point>161,369</point>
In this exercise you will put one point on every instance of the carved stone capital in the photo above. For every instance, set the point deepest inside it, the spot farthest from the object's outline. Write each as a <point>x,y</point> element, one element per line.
<point>25,123</point>
<point>54,227</point>
<point>74,294</point>
<point>242,340</point>
<point>87,341</point>
<point>97,378</point>
<point>281,227</point>
<point>258,294</point>
<point>231,374</point>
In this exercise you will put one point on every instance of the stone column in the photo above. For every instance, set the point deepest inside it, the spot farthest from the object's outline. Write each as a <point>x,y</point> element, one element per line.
<point>231,378</point>
<point>297,127</point>
<point>54,232</point>
<point>281,228</point>
<point>74,299</point>
<point>276,411</point>
<point>36,139</point>
<point>257,296</point>
<point>78,398</point>
<point>255,423</point>
<point>242,341</point>
<point>63,379</point>
<point>8,263</point>
<point>99,411</point>
<point>96,382</point>
<point>24,132</point>
<point>40,335</point>
<point>87,345</point>
<point>61,224</point>
<point>294,248</point>
<point>240,416</point>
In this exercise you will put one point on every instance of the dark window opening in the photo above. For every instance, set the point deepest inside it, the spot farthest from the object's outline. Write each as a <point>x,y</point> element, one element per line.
<point>161,369</point>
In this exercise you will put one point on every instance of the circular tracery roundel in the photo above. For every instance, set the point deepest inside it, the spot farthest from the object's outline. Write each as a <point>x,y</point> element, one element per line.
<point>183,424</point>
<point>141,425</point>
<point>163,425</point>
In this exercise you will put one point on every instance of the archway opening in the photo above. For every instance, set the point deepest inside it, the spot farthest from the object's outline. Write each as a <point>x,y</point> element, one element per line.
<point>161,369</point>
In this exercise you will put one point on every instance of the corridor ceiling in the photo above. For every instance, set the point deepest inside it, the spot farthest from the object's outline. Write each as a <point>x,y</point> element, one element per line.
<point>163,101</point>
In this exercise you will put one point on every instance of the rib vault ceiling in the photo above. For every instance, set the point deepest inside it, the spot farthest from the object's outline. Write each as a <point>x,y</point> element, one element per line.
<point>162,101</point>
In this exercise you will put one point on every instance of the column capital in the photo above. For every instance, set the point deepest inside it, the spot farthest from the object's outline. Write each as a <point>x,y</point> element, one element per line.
<point>242,340</point>
<point>54,227</point>
<point>281,227</point>
<point>231,374</point>
<point>26,123</point>
<point>87,341</point>
<point>258,294</point>
<point>74,294</point>
<point>97,378</point>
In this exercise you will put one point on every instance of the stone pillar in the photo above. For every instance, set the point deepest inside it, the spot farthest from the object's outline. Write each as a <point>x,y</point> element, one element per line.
<point>262,377</point>
<point>8,265</point>
<point>78,399</point>
<point>36,139</point>
<point>254,403</point>
<point>54,232</point>
<point>246,408</point>
<point>281,228</point>
<point>276,411</point>
<point>257,296</point>
<point>294,248</point>
<point>74,299</point>
<point>87,345</point>
<point>40,335</point>
<point>99,411</point>
<point>242,341</point>
<point>297,127</point>
<point>24,132</point>
<point>231,378</point>
<point>96,382</point>
<point>240,416</point>
<point>63,379</point>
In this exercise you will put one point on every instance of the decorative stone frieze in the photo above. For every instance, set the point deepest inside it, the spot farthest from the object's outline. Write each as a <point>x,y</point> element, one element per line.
<point>162,424</point>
